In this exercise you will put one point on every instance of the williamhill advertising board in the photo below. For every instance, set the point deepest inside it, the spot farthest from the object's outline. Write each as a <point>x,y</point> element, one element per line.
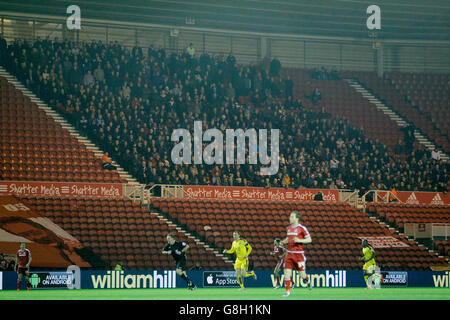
<point>152,279</point>
<point>208,279</point>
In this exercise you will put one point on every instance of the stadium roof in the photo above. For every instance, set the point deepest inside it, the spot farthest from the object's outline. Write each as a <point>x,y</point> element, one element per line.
<point>400,19</point>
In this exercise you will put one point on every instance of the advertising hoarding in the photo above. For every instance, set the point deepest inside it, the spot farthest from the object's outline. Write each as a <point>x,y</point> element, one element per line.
<point>50,280</point>
<point>417,197</point>
<point>257,193</point>
<point>133,279</point>
<point>61,189</point>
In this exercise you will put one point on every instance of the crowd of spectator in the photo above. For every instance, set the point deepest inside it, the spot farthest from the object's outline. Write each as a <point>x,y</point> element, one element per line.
<point>6,263</point>
<point>129,100</point>
<point>323,73</point>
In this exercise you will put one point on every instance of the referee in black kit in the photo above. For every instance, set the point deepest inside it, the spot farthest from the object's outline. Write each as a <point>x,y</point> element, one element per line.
<point>178,251</point>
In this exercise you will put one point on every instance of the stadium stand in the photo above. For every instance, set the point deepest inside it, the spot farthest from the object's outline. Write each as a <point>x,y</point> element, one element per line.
<point>339,100</point>
<point>54,155</point>
<point>401,213</point>
<point>137,98</point>
<point>429,94</point>
<point>398,214</point>
<point>399,103</point>
<point>36,148</point>
<point>119,231</point>
<point>335,230</point>
<point>130,100</point>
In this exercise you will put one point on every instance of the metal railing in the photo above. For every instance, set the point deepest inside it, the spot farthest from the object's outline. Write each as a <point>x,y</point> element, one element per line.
<point>380,196</point>
<point>136,193</point>
<point>427,230</point>
<point>350,196</point>
<point>143,194</point>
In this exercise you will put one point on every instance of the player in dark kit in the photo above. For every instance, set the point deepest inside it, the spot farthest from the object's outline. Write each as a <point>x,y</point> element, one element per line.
<point>22,265</point>
<point>178,251</point>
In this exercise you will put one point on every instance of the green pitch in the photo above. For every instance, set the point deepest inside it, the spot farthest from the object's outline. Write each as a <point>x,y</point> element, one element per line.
<point>232,294</point>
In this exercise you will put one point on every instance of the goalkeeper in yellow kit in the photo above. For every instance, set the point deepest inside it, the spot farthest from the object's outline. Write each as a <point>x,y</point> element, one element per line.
<point>242,249</point>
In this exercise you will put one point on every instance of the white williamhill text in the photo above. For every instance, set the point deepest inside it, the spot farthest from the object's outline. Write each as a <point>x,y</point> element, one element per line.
<point>121,280</point>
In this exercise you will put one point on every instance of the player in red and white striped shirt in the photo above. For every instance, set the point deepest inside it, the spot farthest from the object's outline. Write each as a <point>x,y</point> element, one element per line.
<point>279,252</point>
<point>297,235</point>
<point>22,265</point>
